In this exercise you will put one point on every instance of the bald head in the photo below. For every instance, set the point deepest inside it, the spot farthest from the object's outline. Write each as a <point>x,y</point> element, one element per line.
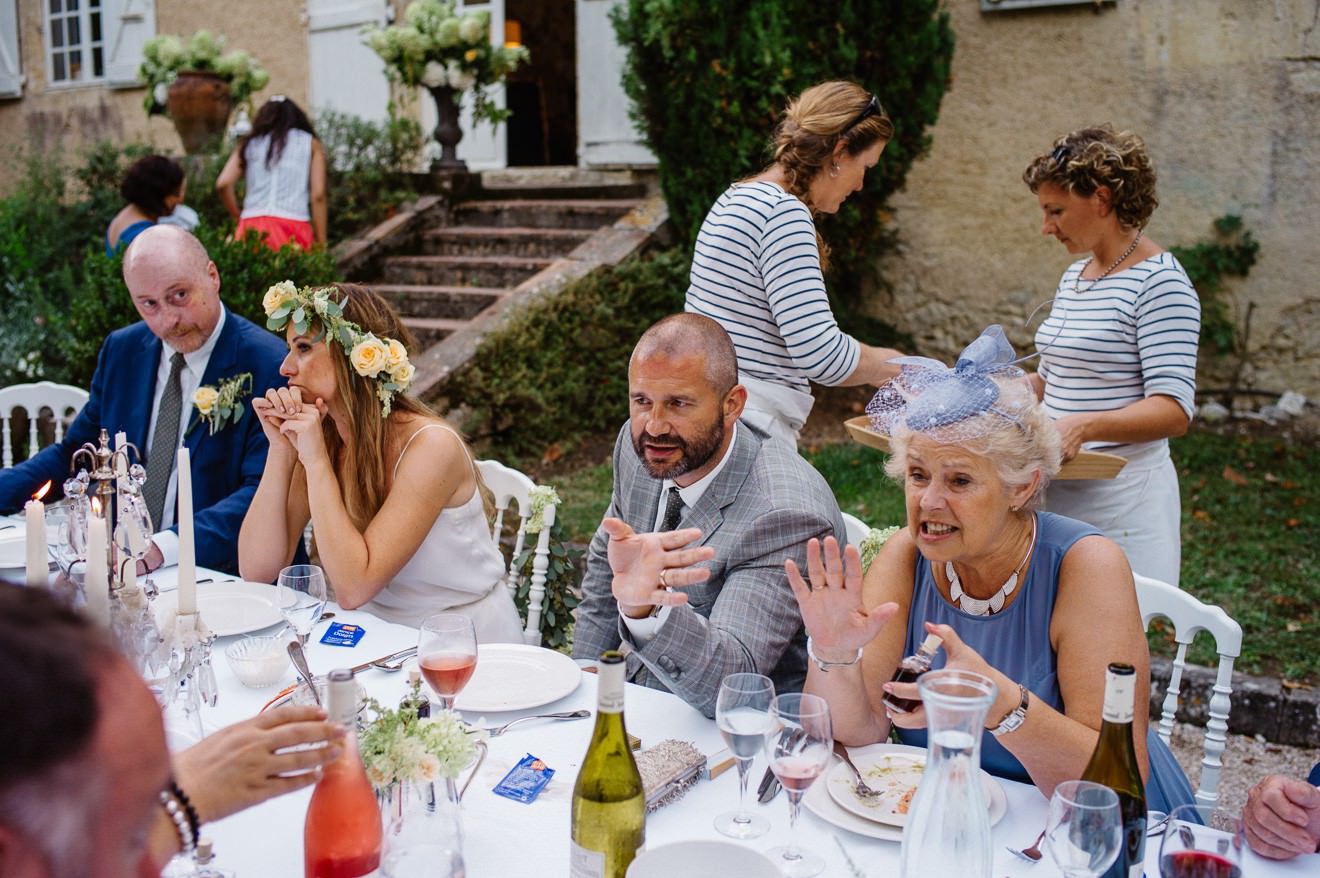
<point>175,286</point>
<point>683,335</point>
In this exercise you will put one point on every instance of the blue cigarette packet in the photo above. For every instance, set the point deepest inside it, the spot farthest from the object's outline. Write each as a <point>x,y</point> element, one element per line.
<point>341,634</point>
<point>525,780</point>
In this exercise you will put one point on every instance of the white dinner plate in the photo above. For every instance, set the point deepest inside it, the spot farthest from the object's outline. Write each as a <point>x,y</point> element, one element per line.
<point>13,552</point>
<point>233,607</point>
<point>820,798</point>
<point>702,859</point>
<point>515,676</point>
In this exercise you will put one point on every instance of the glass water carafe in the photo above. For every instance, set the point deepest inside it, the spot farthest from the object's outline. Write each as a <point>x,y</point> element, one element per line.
<point>948,827</point>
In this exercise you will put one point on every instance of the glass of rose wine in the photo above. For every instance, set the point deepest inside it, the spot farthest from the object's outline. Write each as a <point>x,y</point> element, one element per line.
<point>1201,841</point>
<point>798,748</point>
<point>447,654</point>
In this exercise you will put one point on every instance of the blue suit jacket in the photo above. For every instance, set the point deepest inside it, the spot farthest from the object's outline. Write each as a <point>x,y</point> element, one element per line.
<point>226,467</point>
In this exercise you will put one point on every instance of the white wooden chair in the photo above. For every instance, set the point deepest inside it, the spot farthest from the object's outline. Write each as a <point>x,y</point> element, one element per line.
<point>855,528</point>
<point>59,398</point>
<point>510,486</point>
<point>1190,616</point>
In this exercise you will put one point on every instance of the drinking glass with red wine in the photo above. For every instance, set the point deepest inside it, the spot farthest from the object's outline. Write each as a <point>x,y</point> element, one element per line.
<point>447,654</point>
<point>798,749</point>
<point>1201,841</point>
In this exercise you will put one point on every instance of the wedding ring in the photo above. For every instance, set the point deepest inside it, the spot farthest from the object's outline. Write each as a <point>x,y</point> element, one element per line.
<point>664,584</point>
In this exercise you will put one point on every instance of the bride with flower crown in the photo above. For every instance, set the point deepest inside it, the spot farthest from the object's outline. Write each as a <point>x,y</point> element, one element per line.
<point>392,492</point>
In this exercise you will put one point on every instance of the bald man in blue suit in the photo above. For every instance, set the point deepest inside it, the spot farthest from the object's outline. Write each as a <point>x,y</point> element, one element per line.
<point>176,289</point>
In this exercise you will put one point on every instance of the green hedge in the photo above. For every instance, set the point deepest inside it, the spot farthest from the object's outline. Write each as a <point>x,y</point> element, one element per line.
<point>558,368</point>
<point>708,81</point>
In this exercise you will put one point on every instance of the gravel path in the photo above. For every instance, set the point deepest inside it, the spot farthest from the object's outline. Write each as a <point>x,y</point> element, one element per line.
<point>1246,760</point>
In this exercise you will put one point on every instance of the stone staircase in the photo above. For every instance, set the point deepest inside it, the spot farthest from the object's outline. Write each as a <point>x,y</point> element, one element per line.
<point>452,268</point>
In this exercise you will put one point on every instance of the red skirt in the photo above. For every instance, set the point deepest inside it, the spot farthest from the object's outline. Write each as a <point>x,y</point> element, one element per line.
<point>276,232</point>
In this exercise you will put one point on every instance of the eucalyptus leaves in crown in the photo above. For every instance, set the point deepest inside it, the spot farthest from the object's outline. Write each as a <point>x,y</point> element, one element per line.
<point>384,360</point>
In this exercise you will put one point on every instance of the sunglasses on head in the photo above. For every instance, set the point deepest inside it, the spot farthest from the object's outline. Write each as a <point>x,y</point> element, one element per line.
<point>872,108</point>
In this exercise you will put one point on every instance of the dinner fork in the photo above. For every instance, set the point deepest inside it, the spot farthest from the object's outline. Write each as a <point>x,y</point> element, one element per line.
<point>567,714</point>
<point>860,787</point>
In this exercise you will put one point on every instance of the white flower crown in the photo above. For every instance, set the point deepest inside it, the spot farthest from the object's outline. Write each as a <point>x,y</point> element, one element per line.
<point>384,360</point>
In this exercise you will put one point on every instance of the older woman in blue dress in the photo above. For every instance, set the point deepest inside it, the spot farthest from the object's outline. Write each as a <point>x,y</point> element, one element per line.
<point>1014,592</point>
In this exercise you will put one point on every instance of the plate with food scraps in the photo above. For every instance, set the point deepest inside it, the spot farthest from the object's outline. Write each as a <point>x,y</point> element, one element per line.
<point>895,770</point>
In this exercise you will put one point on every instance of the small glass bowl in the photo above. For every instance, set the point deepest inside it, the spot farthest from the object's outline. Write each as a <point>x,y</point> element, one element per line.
<point>258,662</point>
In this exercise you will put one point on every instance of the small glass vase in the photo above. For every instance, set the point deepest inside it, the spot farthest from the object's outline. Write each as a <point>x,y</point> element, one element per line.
<point>948,828</point>
<point>423,829</point>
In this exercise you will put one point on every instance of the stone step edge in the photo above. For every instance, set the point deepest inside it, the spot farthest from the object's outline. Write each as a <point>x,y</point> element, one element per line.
<point>1261,706</point>
<point>534,262</point>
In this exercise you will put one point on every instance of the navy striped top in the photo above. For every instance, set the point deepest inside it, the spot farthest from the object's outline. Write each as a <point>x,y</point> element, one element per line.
<point>1127,337</point>
<point>756,270</point>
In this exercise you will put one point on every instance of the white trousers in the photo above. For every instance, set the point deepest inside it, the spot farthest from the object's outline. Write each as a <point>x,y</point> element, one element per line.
<point>776,408</point>
<point>1140,509</point>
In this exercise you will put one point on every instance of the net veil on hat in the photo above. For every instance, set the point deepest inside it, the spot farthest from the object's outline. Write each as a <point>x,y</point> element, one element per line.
<point>929,397</point>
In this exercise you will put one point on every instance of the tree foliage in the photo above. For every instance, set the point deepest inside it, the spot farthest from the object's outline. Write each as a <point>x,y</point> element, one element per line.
<point>708,81</point>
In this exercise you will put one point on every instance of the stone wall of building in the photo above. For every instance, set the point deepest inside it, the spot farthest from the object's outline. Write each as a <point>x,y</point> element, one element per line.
<point>71,118</point>
<point>1227,97</point>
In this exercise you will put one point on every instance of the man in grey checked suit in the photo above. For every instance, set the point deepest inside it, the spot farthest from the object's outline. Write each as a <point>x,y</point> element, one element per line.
<point>693,603</point>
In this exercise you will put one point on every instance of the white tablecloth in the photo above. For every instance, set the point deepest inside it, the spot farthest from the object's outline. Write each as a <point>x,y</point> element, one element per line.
<point>503,838</point>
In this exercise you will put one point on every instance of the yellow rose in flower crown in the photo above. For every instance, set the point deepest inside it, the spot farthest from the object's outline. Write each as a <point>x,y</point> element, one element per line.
<point>369,356</point>
<point>204,399</point>
<point>279,294</point>
<point>397,354</point>
<point>402,374</point>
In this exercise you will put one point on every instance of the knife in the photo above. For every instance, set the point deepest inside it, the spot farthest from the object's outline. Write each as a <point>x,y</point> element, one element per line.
<point>769,787</point>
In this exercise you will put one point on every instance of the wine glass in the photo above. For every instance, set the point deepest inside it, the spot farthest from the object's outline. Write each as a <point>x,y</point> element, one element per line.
<point>1084,831</point>
<point>742,713</point>
<point>798,748</point>
<point>447,654</point>
<point>1201,841</point>
<point>300,591</point>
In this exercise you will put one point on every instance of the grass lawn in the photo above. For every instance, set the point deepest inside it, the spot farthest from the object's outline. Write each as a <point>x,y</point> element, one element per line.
<point>1251,535</point>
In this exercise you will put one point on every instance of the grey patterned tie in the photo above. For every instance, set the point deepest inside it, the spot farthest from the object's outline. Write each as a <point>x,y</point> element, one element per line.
<point>164,443</point>
<point>673,510</point>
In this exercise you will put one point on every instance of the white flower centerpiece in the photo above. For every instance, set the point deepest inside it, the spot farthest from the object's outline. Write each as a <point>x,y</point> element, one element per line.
<point>447,53</point>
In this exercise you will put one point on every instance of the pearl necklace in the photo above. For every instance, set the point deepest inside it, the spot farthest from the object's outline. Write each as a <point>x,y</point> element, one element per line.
<point>1077,281</point>
<point>995,603</point>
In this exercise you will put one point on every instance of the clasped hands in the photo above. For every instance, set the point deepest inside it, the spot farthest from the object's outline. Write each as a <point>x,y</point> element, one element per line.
<point>648,566</point>
<point>285,416</point>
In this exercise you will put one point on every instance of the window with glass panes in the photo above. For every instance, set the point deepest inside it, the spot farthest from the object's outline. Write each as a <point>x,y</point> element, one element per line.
<point>74,37</point>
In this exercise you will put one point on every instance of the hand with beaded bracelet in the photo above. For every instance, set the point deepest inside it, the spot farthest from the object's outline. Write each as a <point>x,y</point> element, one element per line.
<point>239,766</point>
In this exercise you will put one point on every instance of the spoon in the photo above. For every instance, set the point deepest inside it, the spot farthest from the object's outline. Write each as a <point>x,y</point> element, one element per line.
<point>299,659</point>
<point>1031,854</point>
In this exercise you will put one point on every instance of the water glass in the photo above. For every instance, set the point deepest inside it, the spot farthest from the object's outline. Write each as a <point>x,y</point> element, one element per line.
<point>798,748</point>
<point>447,654</point>
<point>301,593</point>
<point>1084,831</point>
<point>742,714</point>
<point>1201,841</point>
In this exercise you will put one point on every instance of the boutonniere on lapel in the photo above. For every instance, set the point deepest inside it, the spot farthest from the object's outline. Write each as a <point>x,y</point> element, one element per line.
<point>222,404</point>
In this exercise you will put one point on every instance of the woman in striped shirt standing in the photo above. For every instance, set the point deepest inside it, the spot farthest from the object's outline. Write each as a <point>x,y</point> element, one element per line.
<point>758,264</point>
<point>1118,350</point>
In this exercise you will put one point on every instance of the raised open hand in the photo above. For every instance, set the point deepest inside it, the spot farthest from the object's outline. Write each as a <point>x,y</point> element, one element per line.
<point>647,565</point>
<point>831,604</point>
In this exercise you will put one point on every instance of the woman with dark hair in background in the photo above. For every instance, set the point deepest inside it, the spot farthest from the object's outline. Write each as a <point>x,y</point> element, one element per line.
<point>758,264</point>
<point>284,166</point>
<point>153,186</point>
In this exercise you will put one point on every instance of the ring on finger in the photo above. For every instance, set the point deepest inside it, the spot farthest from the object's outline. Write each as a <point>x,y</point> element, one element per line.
<point>663,583</point>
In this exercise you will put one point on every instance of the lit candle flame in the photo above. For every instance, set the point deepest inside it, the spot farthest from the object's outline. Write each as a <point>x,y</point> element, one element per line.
<point>42,491</point>
<point>96,506</point>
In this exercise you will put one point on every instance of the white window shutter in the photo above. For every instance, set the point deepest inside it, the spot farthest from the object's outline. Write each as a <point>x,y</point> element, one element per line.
<point>11,65</point>
<point>128,25</point>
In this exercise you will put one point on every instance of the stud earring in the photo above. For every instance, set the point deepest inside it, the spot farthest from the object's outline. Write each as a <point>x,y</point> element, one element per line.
<point>834,169</point>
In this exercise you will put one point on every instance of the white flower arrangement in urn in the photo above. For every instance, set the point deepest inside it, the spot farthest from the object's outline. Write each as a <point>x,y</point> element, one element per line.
<point>165,56</point>
<point>439,48</point>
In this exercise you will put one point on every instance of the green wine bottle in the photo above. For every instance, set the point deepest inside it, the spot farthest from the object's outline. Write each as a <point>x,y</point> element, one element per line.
<point>1114,764</point>
<point>609,805</point>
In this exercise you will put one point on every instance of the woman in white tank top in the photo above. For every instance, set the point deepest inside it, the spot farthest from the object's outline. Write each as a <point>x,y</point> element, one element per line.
<point>392,492</point>
<point>284,166</point>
